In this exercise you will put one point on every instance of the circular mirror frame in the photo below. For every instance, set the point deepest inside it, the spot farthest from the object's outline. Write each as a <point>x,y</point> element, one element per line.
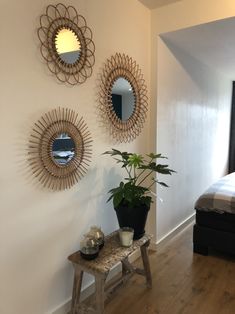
<point>56,18</point>
<point>121,65</point>
<point>50,173</point>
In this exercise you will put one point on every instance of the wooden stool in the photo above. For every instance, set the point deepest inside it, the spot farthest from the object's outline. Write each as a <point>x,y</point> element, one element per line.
<point>111,254</point>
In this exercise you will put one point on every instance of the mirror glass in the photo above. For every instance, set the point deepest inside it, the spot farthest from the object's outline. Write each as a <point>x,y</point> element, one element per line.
<point>123,98</point>
<point>63,149</point>
<point>67,45</point>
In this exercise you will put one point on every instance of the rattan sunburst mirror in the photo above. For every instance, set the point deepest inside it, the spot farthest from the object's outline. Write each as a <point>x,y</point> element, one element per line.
<point>66,44</point>
<point>123,98</point>
<point>60,148</point>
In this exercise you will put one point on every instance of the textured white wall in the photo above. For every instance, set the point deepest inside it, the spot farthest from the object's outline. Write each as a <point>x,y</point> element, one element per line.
<point>182,102</point>
<point>193,118</point>
<point>40,228</point>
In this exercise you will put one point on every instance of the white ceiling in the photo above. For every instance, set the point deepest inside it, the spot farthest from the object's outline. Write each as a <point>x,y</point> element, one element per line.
<point>212,43</point>
<point>153,4</point>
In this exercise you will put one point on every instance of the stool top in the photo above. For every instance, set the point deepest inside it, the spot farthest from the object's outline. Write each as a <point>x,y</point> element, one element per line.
<point>111,254</point>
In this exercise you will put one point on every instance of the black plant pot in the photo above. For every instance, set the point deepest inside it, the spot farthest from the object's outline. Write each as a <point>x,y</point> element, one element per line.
<point>135,218</point>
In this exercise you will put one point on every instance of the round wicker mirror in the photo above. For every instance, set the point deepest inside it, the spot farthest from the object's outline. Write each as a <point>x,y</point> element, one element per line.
<point>123,98</point>
<point>66,44</point>
<point>60,149</point>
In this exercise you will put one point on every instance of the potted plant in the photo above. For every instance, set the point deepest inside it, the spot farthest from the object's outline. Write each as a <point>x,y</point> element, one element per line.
<point>132,198</point>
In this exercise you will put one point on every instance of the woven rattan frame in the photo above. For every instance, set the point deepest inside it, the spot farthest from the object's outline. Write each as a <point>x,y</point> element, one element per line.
<point>56,18</point>
<point>121,65</point>
<point>46,129</point>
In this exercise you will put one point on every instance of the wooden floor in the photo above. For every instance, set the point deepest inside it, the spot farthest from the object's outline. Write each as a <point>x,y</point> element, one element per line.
<point>183,282</point>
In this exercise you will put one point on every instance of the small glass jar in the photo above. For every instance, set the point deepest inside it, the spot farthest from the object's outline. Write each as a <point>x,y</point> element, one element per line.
<point>96,233</point>
<point>89,248</point>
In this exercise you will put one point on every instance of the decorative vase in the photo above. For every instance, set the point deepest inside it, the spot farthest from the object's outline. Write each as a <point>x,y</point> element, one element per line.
<point>135,218</point>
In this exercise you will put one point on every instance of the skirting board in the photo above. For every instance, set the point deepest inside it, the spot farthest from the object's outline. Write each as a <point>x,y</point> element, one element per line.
<point>184,224</point>
<point>88,290</point>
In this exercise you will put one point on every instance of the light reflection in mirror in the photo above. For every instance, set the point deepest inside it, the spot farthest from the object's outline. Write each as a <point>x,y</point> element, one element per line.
<point>67,45</point>
<point>63,149</point>
<point>123,99</point>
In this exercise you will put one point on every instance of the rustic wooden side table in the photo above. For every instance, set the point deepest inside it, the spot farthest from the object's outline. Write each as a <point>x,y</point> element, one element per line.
<point>111,254</point>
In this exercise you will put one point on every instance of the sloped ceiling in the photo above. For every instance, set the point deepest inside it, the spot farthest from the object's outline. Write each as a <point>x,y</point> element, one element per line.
<point>153,4</point>
<point>212,43</point>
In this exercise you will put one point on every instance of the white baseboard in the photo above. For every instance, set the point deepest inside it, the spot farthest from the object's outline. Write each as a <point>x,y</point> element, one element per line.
<point>63,309</point>
<point>153,246</point>
<point>184,224</point>
<point>89,289</point>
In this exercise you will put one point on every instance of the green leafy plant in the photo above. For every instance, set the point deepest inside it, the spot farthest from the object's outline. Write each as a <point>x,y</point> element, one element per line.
<point>133,191</point>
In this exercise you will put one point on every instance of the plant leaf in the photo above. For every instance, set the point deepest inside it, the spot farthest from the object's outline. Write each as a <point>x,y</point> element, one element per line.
<point>135,160</point>
<point>162,183</point>
<point>155,156</point>
<point>117,198</point>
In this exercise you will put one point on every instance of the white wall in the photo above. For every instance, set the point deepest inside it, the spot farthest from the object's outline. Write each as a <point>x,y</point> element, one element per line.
<point>193,118</point>
<point>184,95</point>
<point>40,228</point>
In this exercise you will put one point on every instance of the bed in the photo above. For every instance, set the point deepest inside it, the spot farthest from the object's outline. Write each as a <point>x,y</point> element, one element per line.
<point>215,218</point>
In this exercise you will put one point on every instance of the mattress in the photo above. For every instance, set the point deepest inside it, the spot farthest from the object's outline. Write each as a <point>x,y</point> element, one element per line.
<point>214,220</point>
<point>220,197</point>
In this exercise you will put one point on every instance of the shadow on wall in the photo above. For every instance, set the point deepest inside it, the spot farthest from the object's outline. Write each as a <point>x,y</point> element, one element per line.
<point>99,181</point>
<point>194,67</point>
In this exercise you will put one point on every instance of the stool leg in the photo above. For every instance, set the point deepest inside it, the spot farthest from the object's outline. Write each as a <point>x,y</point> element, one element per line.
<point>77,284</point>
<point>146,264</point>
<point>99,293</point>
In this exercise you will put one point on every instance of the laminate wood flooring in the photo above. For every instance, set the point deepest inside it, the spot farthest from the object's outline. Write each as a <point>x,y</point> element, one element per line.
<point>183,283</point>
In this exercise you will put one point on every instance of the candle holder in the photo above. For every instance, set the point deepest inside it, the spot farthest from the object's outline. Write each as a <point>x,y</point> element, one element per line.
<point>96,233</point>
<point>126,236</point>
<point>89,248</point>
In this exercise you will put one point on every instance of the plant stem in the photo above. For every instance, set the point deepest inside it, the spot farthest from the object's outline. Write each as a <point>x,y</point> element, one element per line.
<point>143,171</point>
<point>128,172</point>
<point>140,174</point>
<point>145,177</point>
<point>151,185</point>
<point>135,175</point>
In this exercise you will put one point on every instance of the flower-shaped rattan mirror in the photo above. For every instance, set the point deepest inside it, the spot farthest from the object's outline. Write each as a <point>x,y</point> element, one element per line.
<point>122,98</point>
<point>66,44</point>
<point>59,149</point>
